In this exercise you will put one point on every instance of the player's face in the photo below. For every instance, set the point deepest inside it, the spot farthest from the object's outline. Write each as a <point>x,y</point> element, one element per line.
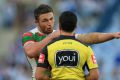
<point>46,22</point>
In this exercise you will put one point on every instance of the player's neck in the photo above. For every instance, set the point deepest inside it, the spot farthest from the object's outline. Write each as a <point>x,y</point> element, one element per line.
<point>66,33</point>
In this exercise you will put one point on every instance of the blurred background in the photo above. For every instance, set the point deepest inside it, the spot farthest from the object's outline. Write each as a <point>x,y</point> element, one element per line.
<point>16,17</point>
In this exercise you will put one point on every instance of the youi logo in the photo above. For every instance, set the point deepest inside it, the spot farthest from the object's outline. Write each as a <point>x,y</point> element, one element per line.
<point>67,58</point>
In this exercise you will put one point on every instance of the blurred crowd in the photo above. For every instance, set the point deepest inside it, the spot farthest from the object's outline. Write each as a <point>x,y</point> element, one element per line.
<point>16,17</point>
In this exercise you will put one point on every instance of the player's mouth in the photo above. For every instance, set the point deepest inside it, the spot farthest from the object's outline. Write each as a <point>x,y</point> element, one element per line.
<point>49,29</point>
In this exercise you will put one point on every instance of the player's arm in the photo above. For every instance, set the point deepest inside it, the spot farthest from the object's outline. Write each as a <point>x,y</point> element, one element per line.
<point>31,47</point>
<point>93,38</point>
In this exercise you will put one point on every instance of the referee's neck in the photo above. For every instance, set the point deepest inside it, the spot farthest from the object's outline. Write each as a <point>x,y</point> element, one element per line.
<point>66,33</point>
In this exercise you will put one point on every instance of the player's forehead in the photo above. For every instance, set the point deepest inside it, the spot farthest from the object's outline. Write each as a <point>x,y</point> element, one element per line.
<point>46,16</point>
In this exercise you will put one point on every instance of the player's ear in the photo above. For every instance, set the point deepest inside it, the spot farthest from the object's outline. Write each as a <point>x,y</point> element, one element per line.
<point>36,21</point>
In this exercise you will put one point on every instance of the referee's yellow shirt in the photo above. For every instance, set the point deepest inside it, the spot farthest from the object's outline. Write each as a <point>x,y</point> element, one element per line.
<point>67,58</point>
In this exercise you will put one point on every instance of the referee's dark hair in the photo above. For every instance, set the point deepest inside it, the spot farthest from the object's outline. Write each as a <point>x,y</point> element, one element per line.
<point>68,21</point>
<point>42,9</point>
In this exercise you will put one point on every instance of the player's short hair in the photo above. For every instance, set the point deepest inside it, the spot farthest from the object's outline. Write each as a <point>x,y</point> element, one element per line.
<point>42,9</point>
<point>68,21</point>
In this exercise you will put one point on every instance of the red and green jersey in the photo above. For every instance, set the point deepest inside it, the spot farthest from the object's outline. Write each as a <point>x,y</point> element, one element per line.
<point>31,37</point>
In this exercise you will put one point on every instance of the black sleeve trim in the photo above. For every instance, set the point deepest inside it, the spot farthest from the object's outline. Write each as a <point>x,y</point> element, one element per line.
<point>42,65</point>
<point>85,66</point>
<point>45,64</point>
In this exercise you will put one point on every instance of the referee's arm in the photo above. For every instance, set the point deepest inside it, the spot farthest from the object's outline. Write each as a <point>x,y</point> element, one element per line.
<point>42,71</point>
<point>93,74</point>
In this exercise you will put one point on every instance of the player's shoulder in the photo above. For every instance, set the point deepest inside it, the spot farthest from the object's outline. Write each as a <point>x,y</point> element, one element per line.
<point>35,30</point>
<point>27,34</point>
<point>31,32</point>
<point>54,30</point>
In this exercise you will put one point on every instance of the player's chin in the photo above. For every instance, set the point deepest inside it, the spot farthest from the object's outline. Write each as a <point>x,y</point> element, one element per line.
<point>50,31</point>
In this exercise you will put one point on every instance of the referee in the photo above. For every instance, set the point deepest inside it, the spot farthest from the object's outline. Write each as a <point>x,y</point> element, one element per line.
<point>66,56</point>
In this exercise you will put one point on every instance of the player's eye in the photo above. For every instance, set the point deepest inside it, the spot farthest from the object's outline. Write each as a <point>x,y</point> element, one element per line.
<point>45,20</point>
<point>51,18</point>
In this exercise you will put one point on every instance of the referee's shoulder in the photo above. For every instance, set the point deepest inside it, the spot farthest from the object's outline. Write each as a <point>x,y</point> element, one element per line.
<point>85,44</point>
<point>53,41</point>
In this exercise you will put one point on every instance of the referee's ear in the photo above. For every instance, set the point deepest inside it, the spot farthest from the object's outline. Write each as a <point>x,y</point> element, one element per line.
<point>60,27</point>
